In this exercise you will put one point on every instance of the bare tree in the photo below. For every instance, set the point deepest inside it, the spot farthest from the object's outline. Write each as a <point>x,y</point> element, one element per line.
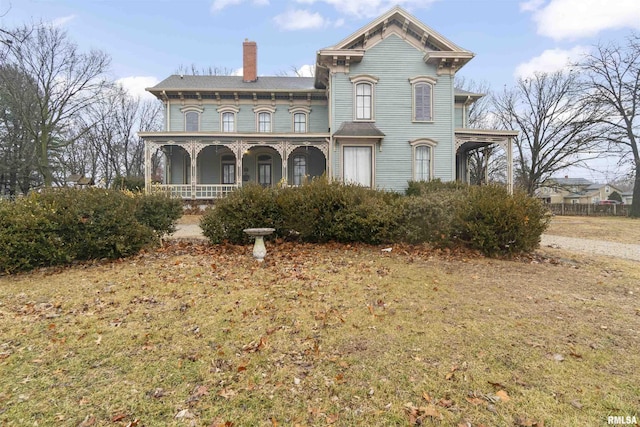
<point>193,70</point>
<point>294,71</point>
<point>67,82</point>
<point>558,127</point>
<point>108,145</point>
<point>489,162</point>
<point>613,84</point>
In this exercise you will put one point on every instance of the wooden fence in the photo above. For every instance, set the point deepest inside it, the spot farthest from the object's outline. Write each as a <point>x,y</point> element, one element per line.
<point>588,209</point>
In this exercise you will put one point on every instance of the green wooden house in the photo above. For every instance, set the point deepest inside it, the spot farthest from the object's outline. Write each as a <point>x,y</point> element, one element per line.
<point>382,110</point>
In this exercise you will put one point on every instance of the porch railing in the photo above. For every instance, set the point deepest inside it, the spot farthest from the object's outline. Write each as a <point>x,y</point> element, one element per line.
<point>197,191</point>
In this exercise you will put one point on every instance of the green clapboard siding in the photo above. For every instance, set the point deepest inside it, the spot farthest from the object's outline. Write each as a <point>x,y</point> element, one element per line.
<point>394,61</point>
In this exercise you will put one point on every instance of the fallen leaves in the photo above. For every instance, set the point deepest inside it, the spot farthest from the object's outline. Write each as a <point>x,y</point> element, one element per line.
<point>419,414</point>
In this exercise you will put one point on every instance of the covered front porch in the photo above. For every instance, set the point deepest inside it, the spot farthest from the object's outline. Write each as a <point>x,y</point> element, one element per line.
<point>208,169</point>
<point>469,140</point>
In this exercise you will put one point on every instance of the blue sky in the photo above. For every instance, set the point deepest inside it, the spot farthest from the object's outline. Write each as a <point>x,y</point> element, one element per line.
<point>148,39</point>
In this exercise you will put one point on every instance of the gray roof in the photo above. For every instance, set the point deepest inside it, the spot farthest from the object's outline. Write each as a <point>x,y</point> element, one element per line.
<point>460,92</point>
<point>208,83</point>
<point>359,129</point>
<point>570,181</point>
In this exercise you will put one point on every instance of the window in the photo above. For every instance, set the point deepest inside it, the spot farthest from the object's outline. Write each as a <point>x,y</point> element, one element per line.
<point>422,87</point>
<point>192,121</point>
<point>358,165</point>
<point>228,122</point>
<point>299,169</point>
<point>364,97</point>
<point>264,118</point>
<point>422,166</point>
<point>264,170</point>
<point>300,123</point>
<point>423,150</point>
<point>363,101</point>
<point>228,169</point>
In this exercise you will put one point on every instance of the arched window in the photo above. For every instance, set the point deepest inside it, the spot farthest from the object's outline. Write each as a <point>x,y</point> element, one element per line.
<point>191,121</point>
<point>364,96</point>
<point>228,122</point>
<point>423,159</point>
<point>300,123</point>
<point>422,98</point>
<point>264,121</point>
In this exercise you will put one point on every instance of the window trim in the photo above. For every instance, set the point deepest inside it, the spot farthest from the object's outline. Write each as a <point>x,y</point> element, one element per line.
<point>293,167</point>
<point>300,110</point>
<point>224,162</point>
<point>372,81</point>
<point>260,110</point>
<point>415,81</point>
<point>269,162</point>
<point>191,109</point>
<point>371,145</point>
<point>225,110</point>
<point>422,142</point>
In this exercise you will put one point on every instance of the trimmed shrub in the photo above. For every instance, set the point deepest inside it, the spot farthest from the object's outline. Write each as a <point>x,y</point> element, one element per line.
<point>496,223</point>
<point>250,206</point>
<point>418,188</point>
<point>29,236</point>
<point>158,211</point>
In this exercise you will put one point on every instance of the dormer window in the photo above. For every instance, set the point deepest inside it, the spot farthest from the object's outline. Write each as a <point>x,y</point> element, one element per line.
<point>364,96</point>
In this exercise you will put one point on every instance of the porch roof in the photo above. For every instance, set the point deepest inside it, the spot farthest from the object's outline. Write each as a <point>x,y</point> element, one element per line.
<point>470,139</point>
<point>359,130</point>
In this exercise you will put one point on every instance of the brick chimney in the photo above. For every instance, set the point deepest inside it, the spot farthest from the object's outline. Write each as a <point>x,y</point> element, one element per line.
<point>249,61</point>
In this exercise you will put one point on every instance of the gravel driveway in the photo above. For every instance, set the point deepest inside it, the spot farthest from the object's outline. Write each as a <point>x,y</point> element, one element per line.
<point>594,247</point>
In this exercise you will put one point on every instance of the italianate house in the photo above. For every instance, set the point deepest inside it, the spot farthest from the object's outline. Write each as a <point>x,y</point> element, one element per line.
<point>382,110</point>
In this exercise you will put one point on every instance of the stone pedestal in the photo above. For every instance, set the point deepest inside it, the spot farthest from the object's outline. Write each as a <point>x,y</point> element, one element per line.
<point>259,250</point>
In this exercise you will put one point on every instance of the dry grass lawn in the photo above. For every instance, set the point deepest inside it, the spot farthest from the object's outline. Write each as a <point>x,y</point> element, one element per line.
<point>321,335</point>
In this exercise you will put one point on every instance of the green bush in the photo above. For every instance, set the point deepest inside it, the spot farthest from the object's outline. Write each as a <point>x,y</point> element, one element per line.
<point>29,236</point>
<point>158,211</point>
<point>419,188</point>
<point>497,223</point>
<point>59,226</point>
<point>251,206</point>
<point>430,217</point>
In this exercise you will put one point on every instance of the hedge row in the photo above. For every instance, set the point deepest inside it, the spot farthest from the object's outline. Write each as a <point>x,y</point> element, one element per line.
<point>441,214</point>
<point>60,226</point>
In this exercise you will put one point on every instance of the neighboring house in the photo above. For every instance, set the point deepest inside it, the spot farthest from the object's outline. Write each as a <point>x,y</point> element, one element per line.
<point>627,197</point>
<point>381,111</point>
<point>574,191</point>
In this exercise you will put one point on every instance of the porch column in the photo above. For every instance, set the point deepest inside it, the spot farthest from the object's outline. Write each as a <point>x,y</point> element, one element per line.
<point>147,167</point>
<point>194,150</point>
<point>509,166</point>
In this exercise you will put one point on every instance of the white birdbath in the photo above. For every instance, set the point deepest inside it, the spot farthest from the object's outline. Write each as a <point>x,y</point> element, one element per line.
<point>259,251</point>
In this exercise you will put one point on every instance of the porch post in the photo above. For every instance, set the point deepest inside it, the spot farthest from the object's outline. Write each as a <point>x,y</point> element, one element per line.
<point>147,167</point>
<point>509,166</point>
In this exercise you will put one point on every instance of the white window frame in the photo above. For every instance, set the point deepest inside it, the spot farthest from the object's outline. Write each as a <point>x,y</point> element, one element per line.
<point>420,80</point>
<point>191,109</point>
<point>228,110</point>
<point>265,162</point>
<point>364,79</point>
<point>372,147</point>
<point>261,110</point>
<point>300,110</point>
<point>226,162</point>
<point>415,144</point>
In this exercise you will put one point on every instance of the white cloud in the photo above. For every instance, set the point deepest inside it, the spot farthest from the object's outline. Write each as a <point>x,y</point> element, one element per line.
<point>307,70</point>
<point>299,19</point>
<point>370,8</point>
<point>218,5</point>
<point>571,19</point>
<point>238,72</point>
<point>135,85</point>
<point>62,21</point>
<point>550,60</point>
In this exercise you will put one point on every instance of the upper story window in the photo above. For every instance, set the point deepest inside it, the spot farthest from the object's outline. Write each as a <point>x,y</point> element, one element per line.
<point>423,159</point>
<point>192,118</point>
<point>364,96</point>
<point>264,118</point>
<point>300,117</point>
<point>422,88</point>
<point>228,118</point>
